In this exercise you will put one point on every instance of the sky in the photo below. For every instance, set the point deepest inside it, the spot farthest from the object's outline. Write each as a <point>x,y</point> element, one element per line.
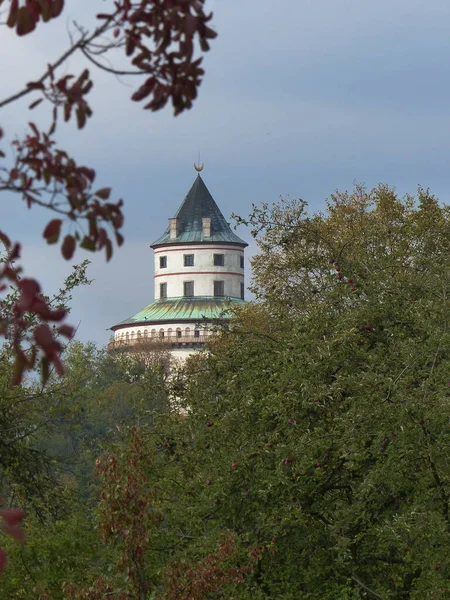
<point>299,98</point>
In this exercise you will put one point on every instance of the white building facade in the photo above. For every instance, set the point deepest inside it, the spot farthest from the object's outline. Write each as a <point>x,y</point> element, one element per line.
<point>198,276</point>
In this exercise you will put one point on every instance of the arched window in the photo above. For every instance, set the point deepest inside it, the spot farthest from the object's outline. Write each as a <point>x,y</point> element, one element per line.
<point>139,334</point>
<point>161,333</point>
<point>127,336</point>
<point>196,332</point>
<point>187,332</point>
<point>132,335</point>
<point>178,332</point>
<point>153,332</point>
<point>145,333</point>
<point>169,332</point>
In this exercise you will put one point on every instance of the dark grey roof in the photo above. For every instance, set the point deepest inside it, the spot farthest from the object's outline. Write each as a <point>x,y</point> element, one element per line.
<point>199,204</point>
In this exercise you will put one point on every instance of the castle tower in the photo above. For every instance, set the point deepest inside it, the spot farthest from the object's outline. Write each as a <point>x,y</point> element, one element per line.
<point>198,276</point>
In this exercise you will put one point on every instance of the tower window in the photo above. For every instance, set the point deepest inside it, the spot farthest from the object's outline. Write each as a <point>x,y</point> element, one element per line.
<point>163,262</point>
<point>242,290</point>
<point>219,260</point>
<point>188,260</point>
<point>163,290</point>
<point>242,261</point>
<point>188,288</point>
<point>219,288</point>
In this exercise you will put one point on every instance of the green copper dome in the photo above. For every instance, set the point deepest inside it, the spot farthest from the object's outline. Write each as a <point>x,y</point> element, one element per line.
<point>171,310</point>
<point>197,205</point>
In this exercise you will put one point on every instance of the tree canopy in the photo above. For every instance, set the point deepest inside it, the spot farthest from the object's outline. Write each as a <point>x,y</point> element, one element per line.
<point>312,456</point>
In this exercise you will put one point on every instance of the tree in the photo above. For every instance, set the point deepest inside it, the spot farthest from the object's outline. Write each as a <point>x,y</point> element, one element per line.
<point>325,409</point>
<point>317,426</point>
<point>158,38</point>
<point>50,471</point>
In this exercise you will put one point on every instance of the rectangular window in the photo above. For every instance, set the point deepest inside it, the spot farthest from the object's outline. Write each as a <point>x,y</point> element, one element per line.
<point>163,262</point>
<point>242,261</point>
<point>219,260</point>
<point>242,291</point>
<point>219,288</point>
<point>188,288</point>
<point>163,290</point>
<point>188,260</point>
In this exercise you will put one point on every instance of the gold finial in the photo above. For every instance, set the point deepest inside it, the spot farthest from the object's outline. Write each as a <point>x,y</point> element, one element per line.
<point>199,167</point>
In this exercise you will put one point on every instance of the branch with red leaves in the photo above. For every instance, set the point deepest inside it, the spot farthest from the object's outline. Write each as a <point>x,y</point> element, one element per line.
<point>158,36</point>
<point>125,500</point>
<point>208,577</point>
<point>41,343</point>
<point>50,178</point>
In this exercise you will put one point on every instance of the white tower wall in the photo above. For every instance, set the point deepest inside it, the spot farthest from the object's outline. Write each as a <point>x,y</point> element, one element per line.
<point>203,272</point>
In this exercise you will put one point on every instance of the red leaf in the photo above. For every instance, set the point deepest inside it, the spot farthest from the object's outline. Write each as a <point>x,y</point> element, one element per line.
<point>15,252</point>
<point>29,288</point>
<point>45,8</point>
<point>88,173</point>
<point>25,21</point>
<point>103,193</point>
<point>52,231</point>
<point>118,220</point>
<point>57,315</point>
<point>13,11</point>
<point>58,365</point>
<point>68,247</point>
<point>43,311</point>
<point>12,516</point>
<point>5,240</point>
<point>44,337</point>
<point>88,244</point>
<point>109,249</point>
<point>57,8</point>
<point>35,103</point>
<point>81,117</point>
<point>34,128</point>
<point>145,89</point>
<point>67,331</point>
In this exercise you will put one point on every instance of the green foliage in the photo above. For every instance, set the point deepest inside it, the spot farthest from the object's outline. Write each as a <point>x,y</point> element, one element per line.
<point>63,551</point>
<point>50,470</point>
<point>329,426</point>
<point>318,425</point>
<point>311,460</point>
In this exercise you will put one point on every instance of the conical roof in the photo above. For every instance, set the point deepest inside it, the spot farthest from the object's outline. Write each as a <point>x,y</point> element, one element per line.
<point>197,205</point>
